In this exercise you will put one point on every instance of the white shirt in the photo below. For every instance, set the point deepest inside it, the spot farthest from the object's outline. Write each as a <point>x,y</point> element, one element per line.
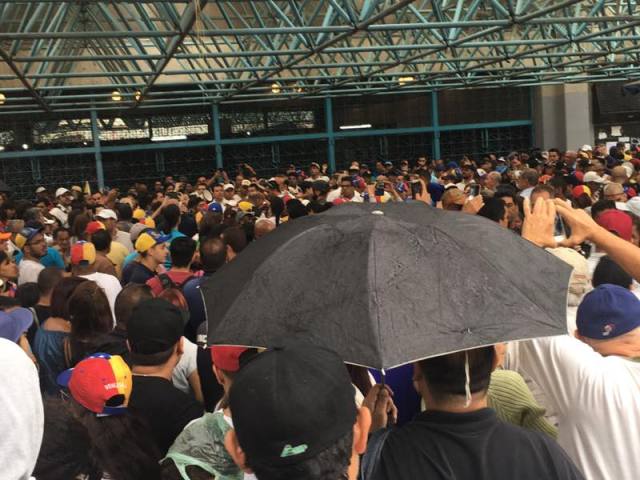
<point>333,194</point>
<point>526,193</point>
<point>125,239</point>
<point>28,271</point>
<point>187,364</point>
<point>597,400</point>
<point>111,287</point>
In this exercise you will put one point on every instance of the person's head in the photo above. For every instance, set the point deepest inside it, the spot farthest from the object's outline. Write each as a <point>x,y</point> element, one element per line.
<point>229,191</point>
<point>619,175</point>
<point>262,227</point>
<point>441,381</point>
<point>48,279</point>
<point>546,192</point>
<point>61,294</point>
<point>528,178</point>
<point>154,334</point>
<point>124,211</point>
<point>601,206</point>
<point>83,258</point>
<point>97,199</point>
<point>128,298</point>
<point>615,192</point>
<point>294,416</point>
<point>109,219</point>
<point>28,295</point>
<point>171,215</point>
<point>31,241</point>
<point>218,193</point>
<point>8,267</point>
<point>608,271</point>
<point>296,209</point>
<point>554,155</point>
<point>102,241</point>
<point>453,199</point>
<point>92,430</point>
<point>152,247</point>
<point>617,222</point>
<point>182,250</point>
<point>608,320</point>
<point>492,180</point>
<point>64,197</point>
<point>494,209</point>
<point>89,311</point>
<point>347,188</point>
<point>235,239</point>
<point>213,254</point>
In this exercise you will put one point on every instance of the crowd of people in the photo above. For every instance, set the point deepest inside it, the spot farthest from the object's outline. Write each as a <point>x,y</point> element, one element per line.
<point>107,373</point>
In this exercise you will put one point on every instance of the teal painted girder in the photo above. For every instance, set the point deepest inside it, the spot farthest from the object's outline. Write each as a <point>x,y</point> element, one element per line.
<point>174,52</point>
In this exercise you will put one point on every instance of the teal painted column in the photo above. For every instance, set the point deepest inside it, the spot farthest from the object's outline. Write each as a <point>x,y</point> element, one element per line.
<point>95,133</point>
<point>435,122</point>
<point>215,120</point>
<point>331,140</point>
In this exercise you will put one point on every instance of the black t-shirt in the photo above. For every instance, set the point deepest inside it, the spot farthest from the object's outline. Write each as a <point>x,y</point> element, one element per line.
<point>475,445</point>
<point>165,408</point>
<point>136,272</point>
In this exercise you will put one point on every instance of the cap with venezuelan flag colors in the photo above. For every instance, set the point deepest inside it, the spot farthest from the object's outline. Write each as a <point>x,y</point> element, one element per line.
<point>101,383</point>
<point>83,252</point>
<point>148,239</point>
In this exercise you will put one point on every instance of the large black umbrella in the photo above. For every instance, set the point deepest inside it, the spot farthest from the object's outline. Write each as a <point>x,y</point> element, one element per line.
<point>384,285</point>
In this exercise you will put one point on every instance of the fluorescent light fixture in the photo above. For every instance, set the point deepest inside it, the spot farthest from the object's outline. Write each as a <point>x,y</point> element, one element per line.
<point>3,98</point>
<point>25,146</point>
<point>116,96</point>
<point>275,88</point>
<point>404,80</point>
<point>1,148</point>
<point>168,138</point>
<point>355,127</point>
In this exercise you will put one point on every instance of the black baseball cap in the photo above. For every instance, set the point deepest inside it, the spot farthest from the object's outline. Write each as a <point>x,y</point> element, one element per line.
<point>155,326</point>
<point>291,403</point>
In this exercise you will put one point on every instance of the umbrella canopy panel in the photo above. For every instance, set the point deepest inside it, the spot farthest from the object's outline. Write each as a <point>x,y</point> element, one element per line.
<point>387,285</point>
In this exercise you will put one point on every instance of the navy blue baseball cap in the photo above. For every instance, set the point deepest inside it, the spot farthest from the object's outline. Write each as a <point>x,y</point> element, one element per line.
<point>607,312</point>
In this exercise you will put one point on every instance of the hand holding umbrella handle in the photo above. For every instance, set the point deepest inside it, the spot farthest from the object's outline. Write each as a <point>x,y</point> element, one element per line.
<point>383,411</point>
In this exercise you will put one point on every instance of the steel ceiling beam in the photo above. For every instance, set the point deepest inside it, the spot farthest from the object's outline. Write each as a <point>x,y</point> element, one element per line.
<point>186,24</point>
<point>36,96</point>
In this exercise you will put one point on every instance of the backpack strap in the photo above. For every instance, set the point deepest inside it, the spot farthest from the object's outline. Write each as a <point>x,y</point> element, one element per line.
<point>166,282</point>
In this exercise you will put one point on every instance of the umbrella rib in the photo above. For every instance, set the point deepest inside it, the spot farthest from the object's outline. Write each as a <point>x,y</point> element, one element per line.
<point>375,290</point>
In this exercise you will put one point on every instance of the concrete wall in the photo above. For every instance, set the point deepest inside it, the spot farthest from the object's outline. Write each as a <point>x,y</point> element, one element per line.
<point>562,116</point>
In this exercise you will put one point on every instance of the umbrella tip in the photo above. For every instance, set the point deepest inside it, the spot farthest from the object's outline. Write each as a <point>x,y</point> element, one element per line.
<point>377,212</point>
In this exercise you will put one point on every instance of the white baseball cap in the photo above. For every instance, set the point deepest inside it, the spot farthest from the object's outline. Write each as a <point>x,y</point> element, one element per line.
<point>40,189</point>
<point>586,148</point>
<point>634,206</point>
<point>107,213</point>
<point>593,177</point>
<point>229,186</point>
<point>61,191</point>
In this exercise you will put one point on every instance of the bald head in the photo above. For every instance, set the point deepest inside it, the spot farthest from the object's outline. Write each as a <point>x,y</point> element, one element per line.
<point>615,192</point>
<point>213,254</point>
<point>262,227</point>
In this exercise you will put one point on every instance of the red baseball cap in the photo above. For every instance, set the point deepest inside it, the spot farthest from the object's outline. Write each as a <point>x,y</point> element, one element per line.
<point>93,227</point>
<point>616,222</point>
<point>579,190</point>
<point>227,357</point>
<point>101,383</point>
